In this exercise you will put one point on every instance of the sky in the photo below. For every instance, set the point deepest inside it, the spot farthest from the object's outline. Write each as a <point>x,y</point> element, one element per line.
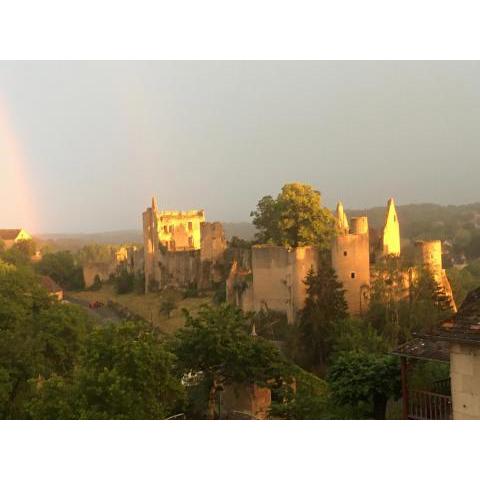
<point>85,145</point>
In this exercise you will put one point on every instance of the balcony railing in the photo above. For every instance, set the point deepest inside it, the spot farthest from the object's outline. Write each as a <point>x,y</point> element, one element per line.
<point>424,405</point>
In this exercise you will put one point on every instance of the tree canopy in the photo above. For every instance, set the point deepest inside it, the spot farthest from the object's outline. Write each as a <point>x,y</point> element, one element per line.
<point>217,343</point>
<point>295,218</point>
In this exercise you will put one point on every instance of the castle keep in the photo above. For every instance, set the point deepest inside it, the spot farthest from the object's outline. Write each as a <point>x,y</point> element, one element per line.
<point>180,248</point>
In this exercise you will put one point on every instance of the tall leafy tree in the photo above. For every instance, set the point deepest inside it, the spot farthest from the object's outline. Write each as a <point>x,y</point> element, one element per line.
<point>38,337</point>
<point>63,268</point>
<point>295,218</point>
<point>217,343</point>
<point>125,372</point>
<point>365,382</point>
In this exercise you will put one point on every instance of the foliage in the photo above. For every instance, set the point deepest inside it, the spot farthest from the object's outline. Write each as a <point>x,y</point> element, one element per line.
<point>397,309</point>
<point>125,372</point>
<point>236,242</point>
<point>325,306</point>
<point>62,267</point>
<point>16,255</point>
<point>464,280</point>
<point>306,399</point>
<point>124,282</point>
<point>167,305</point>
<point>28,247</point>
<point>38,337</point>
<point>295,218</point>
<point>94,253</point>
<point>139,283</point>
<point>217,342</point>
<point>96,285</point>
<point>364,381</point>
<point>220,293</point>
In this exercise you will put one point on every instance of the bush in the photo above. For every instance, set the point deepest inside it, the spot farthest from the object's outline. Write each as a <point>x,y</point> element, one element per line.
<point>97,284</point>
<point>124,282</point>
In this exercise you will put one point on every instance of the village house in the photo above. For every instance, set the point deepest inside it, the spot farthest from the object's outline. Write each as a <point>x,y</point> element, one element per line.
<point>11,236</point>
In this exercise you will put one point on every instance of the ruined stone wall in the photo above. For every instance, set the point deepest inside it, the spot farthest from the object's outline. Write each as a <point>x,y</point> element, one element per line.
<point>465,379</point>
<point>150,247</point>
<point>252,400</point>
<point>103,270</point>
<point>179,269</point>
<point>213,242</point>
<point>351,262</point>
<point>278,276</point>
<point>178,230</point>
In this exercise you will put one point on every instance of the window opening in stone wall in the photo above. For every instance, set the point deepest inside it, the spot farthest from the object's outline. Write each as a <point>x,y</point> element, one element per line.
<point>352,275</point>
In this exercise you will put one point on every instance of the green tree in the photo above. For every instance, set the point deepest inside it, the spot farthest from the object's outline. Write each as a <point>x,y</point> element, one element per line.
<point>217,344</point>
<point>167,306</point>
<point>325,306</point>
<point>306,399</point>
<point>124,282</point>
<point>399,307</point>
<point>62,267</point>
<point>365,382</point>
<point>38,337</point>
<point>295,218</point>
<point>126,372</point>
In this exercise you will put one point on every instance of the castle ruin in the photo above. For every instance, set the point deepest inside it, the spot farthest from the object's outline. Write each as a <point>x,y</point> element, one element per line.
<point>275,277</point>
<point>181,249</point>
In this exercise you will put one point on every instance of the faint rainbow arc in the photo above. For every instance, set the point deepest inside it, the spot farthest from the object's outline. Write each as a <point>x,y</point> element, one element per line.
<point>16,193</point>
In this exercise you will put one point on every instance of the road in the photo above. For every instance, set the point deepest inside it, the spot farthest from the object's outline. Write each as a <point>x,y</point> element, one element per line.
<point>103,314</point>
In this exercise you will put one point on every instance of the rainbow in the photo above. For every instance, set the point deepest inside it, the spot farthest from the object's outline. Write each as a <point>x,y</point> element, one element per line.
<point>16,195</point>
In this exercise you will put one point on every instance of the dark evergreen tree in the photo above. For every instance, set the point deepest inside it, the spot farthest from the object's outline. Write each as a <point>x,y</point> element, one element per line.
<point>325,306</point>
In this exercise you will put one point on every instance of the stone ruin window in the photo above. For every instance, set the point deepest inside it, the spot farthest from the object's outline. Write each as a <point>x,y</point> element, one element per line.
<point>190,226</point>
<point>190,241</point>
<point>344,253</point>
<point>165,229</point>
<point>352,275</point>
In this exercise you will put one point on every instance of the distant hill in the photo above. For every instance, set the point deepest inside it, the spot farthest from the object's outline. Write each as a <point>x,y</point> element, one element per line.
<point>426,220</point>
<point>74,241</point>
<point>244,230</point>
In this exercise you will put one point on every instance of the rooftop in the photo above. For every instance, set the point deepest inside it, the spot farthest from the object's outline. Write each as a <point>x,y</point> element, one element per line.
<point>49,284</point>
<point>465,325</point>
<point>9,233</point>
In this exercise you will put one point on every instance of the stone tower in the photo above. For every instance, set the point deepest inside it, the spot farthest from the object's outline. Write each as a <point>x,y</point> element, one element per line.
<point>150,241</point>
<point>351,262</point>
<point>391,231</point>
<point>430,257</point>
<point>342,221</point>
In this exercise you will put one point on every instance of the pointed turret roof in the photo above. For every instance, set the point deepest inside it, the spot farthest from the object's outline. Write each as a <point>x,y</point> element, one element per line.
<point>154,203</point>
<point>342,220</point>
<point>391,230</point>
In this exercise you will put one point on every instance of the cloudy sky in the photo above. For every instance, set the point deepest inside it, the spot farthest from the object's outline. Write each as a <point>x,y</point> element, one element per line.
<point>84,145</point>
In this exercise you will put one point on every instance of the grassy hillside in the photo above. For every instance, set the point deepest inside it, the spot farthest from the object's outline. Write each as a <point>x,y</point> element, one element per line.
<point>147,306</point>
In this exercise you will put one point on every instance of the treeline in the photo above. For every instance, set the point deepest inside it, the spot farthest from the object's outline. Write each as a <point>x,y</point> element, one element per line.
<point>459,224</point>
